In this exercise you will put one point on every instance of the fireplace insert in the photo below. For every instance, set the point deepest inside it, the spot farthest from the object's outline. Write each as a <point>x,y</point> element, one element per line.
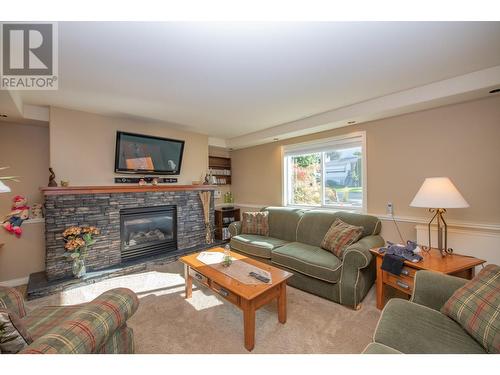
<point>148,231</point>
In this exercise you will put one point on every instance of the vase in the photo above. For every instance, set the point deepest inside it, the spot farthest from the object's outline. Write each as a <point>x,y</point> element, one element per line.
<point>79,269</point>
<point>209,239</point>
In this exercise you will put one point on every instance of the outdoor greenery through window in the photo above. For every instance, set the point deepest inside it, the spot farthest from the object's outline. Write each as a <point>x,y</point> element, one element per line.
<point>329,175</point>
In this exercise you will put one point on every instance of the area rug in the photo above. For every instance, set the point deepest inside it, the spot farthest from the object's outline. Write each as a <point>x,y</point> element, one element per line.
<point>167,323</point>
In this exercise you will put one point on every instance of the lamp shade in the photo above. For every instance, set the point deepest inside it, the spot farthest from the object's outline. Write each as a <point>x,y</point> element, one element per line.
<point>438,192</point>
<point>4,188</point>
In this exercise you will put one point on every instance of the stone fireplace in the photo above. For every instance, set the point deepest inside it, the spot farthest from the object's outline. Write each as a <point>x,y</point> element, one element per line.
<point>136,223</point>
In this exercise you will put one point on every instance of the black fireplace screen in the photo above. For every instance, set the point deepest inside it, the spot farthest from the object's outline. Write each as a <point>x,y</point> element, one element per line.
<point>148,231</point>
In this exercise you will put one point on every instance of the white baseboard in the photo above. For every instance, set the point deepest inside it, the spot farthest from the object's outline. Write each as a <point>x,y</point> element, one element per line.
<point>15,282</point>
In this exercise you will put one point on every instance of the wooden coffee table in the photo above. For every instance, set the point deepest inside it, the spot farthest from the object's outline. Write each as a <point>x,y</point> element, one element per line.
<point>248,297</point>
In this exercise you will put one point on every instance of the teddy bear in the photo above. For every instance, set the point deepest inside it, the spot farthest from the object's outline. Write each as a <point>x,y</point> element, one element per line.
<point>20,212</point>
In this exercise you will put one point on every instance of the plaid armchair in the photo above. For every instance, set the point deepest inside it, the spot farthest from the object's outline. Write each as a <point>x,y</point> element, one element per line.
<point>99,326</point>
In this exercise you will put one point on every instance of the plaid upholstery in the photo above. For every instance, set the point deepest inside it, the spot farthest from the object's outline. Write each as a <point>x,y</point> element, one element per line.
<point>44,319</point>
<point>121,342</point>
<point>11,299</point>
<point>340,236</point>
<point>476,307</point>
<point>255,223</point>
<point>85,328</point>
<point>13,334</point>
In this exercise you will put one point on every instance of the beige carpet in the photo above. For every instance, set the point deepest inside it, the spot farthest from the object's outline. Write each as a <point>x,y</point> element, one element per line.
<point>167,323</point>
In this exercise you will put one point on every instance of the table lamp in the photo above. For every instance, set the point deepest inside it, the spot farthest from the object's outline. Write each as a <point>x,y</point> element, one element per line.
<point>437,194</point>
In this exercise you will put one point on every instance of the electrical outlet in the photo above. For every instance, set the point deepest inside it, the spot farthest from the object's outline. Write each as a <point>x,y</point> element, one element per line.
<point>390,208</point>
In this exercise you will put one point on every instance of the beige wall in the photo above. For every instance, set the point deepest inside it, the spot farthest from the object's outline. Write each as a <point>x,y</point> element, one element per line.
<point>83,146</point>
<point>459,141</point>
<point>26,150</point>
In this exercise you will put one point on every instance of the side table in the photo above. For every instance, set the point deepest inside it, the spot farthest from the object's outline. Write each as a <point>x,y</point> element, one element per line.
<point>454,264</point>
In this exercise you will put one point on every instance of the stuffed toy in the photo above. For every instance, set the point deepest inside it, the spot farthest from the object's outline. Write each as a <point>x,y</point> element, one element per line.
<point>20,212</point>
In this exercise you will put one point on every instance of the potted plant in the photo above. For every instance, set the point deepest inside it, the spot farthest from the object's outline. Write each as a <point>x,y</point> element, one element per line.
<point>78,240</point>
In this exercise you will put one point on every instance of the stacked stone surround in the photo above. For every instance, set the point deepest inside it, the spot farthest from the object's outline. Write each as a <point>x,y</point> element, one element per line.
<point>103,211</point>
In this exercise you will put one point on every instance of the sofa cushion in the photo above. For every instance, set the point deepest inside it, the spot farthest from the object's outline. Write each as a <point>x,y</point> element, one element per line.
<point>376,348</point>
<point>253,244</point>
<point>416,329</point>
<point>476,307</point>
<point>310,260</point>
<point>11,299</point>
<point>314,224</point>
<point>283,222</point>
<point>13,334</point>
<point>255,223</point>
<point>340,236</point>
<point>371,224</point>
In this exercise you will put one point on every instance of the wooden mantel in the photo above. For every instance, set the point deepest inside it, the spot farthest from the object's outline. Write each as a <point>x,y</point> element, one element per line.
<point>72,190</point>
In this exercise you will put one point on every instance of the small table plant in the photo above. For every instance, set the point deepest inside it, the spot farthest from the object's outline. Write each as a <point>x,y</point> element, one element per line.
<point>78,240</point>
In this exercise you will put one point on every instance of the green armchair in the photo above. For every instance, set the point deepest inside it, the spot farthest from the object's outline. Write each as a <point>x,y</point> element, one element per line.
<point>418,327</point>
<point>99,326</point>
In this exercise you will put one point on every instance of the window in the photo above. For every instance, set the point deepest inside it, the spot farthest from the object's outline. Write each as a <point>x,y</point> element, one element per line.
<point>328,173</point>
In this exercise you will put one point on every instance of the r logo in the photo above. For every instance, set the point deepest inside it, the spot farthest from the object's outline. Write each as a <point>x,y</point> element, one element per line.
<point>27,49</point>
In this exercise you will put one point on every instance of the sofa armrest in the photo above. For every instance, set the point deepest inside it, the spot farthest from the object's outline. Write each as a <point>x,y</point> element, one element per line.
<point>11,299</point>
<point>358,272</point>
<point>358,254</point>
<point>235,228</point>
<point>88,328</point>
<point>433,289</point>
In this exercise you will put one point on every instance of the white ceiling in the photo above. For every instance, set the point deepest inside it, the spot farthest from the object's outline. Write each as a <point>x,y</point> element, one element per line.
<point>231,79</point>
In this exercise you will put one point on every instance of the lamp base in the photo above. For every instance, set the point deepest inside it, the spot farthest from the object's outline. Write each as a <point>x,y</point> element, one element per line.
<point>442,232</point>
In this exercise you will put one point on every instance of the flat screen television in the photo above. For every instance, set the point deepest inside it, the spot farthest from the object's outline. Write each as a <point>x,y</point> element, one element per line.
<point>144,154</point>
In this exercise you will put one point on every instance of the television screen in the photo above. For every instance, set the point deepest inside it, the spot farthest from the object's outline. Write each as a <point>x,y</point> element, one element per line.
<point>142,154</point>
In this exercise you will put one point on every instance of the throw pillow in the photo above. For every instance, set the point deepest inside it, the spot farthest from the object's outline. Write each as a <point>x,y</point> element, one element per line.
<point>13,334</point>
<point>476,307</point>
<point>340,236</point>
<point>255,223</point>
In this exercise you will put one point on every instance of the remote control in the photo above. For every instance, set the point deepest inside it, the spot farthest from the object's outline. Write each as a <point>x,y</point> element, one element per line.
<point>259,277</point>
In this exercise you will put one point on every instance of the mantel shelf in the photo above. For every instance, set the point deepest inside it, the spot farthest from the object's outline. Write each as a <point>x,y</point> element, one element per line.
<point>72,190</point>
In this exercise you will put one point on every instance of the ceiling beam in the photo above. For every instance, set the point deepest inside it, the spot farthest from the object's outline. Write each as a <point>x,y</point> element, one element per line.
<point>454,90</point>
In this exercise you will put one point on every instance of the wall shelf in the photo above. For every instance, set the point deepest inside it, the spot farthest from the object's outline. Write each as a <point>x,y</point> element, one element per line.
<point>220,168</point>
<point>34,221</point>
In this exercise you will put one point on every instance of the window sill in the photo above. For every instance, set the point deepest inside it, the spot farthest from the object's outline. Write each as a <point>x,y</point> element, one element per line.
<point>360,210</point>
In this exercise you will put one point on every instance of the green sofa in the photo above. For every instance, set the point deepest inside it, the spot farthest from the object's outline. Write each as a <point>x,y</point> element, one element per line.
<point>418,327</point>
<point>96,327</point>
<point>294,242</point>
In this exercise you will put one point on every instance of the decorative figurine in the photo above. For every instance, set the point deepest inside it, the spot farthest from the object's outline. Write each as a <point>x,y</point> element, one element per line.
<point>36,211</point>
<point>20,212</point>
<point>142,182</point>
<point>154,181</point>
<point>64,183</point>
<point>52,178</point>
